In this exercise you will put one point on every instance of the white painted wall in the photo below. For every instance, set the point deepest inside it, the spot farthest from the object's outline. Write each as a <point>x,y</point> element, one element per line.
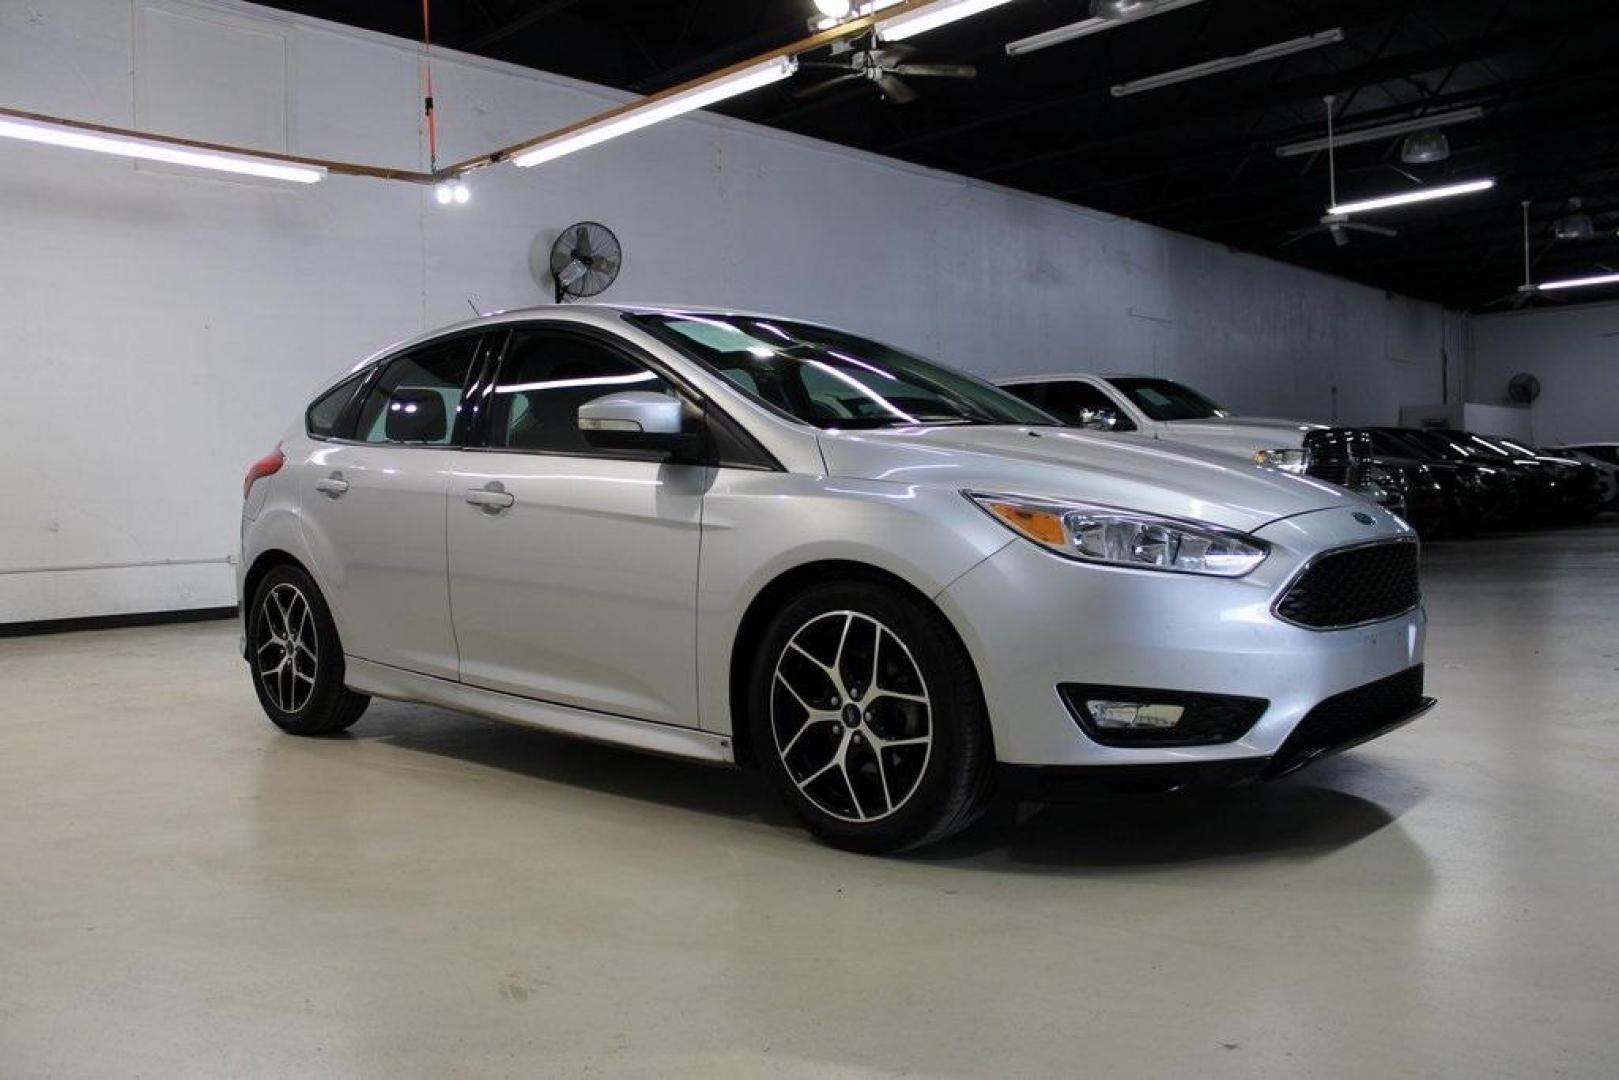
<point>1575,354</point>
<point>158,331</point>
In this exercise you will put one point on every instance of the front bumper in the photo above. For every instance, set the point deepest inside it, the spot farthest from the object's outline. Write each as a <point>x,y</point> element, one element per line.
<point>1337,724</point>
<point>1034,621</point>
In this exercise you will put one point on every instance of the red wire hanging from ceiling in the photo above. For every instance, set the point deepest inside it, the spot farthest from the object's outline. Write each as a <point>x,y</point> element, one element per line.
<point>427,101</point>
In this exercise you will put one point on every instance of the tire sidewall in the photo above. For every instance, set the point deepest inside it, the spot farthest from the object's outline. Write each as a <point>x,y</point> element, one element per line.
<point>316,715</point>
<point>957,717</point>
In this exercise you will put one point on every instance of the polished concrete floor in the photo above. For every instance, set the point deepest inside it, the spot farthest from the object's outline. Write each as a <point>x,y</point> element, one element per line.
<point>184,892</point>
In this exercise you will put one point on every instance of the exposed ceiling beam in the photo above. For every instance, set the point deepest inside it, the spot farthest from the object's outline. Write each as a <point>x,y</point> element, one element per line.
<point>532,17</point>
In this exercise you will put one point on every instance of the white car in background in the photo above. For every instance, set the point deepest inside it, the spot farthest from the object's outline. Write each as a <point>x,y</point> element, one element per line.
<point>1164,409</point>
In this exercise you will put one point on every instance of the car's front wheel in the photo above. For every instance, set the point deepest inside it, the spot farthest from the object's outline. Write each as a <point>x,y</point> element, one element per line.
<point>867,715</point>
<point>297,660</point>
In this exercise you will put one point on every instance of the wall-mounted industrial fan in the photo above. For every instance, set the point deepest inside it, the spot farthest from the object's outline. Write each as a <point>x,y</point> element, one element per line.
<point>584,260</point>
<point>1523,388</point>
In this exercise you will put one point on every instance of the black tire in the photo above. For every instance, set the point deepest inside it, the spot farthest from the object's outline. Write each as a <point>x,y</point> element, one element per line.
<point>310,698</point>
<point>944,789</point>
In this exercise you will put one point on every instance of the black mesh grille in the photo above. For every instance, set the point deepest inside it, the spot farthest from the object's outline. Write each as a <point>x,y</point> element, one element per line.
<point>1351,717</point>
<point>1360,585</point>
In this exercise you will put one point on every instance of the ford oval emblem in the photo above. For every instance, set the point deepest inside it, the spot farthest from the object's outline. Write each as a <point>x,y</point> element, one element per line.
<point>1365,518</point>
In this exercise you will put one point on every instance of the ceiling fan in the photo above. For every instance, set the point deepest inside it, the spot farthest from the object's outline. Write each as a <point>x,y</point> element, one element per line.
<point>1338,226</point>
<point>882,67</point>
<point>1528,292</point>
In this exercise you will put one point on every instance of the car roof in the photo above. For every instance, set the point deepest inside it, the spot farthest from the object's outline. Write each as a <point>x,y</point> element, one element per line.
<point>1057,376</point>
<point>589,314</point>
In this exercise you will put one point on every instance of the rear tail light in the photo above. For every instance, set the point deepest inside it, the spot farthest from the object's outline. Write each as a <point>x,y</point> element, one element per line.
<point>268,465</point>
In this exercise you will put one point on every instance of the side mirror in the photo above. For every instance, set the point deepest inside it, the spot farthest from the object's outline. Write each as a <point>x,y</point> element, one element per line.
<point>1099,419</point>
<point>639,420</point>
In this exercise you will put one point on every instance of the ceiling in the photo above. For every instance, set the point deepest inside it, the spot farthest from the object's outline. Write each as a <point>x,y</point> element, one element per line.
<point>1198,157</point>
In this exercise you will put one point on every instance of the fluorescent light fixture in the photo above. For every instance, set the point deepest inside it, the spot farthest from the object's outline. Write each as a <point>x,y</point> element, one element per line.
<point>1231,63</point>
<point>859,11</point>
<point>1377,132</point>
<point>931,17</point>
<point>1405,198</point>
<point>48,134</point>
<point>645,113</point>
<point>1085,28</point>
<point>1580,282</point>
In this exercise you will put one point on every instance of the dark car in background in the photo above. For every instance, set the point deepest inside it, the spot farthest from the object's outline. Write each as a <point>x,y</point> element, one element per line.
<point>1604,457</point>
<point>1397,477</point>
<point>1559,489</point>
<point>1480,495</point>
<point>1519,489</point>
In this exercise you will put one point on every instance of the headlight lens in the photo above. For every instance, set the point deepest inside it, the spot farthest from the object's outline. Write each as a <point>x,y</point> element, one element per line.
<point>1293,461</point>
<point>1105,534</point>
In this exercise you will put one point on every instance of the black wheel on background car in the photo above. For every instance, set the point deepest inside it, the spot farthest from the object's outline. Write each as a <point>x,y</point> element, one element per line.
<point>867,716</point>
<point>296,658</point>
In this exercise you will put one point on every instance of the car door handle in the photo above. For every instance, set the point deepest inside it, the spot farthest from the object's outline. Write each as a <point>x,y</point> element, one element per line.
<point>333,486</point>
<point>492,499</point>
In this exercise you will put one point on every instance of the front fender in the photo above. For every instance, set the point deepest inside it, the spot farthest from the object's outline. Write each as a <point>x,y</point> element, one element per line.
<point>759,526</point>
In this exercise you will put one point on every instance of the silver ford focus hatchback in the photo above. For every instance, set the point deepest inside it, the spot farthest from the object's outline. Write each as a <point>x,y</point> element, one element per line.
<point>753,540</point>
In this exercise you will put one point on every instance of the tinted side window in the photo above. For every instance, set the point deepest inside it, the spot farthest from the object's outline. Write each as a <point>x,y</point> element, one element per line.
<point>546,376</point>
<point>1393,446</point>
<point>1033,392</point>
<point>418,397</point>
<point>1075,402</point>
<point>327,411</point>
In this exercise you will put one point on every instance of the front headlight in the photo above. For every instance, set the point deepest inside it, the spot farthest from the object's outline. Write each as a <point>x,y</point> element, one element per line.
<point>1293,461</point>
<point>1105,534</point>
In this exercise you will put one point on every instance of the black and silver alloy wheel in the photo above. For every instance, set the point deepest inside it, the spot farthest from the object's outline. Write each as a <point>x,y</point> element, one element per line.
<point>296,657</point>
<point>851,716</point>
<point>865,711</point>
<point>286,650</point>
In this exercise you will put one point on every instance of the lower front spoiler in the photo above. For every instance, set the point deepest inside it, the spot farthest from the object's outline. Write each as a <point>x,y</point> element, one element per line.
<point>1343,721</point>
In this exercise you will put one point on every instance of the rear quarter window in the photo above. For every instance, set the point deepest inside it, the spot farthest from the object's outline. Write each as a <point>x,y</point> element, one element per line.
<point>326,415</point>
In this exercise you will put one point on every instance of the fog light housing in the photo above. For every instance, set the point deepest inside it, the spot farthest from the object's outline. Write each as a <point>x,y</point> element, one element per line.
<point>1133,715</point>
<point>1142,716</point>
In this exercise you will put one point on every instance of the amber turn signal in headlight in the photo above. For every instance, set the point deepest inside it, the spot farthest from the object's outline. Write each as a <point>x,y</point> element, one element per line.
<point>1105,534</point>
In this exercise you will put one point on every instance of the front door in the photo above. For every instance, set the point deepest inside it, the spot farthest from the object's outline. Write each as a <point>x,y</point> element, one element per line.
<point>573,572</point>
<point>374,506</point>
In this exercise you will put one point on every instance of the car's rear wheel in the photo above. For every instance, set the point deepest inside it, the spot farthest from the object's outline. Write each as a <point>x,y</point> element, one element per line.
<point>867,716</point>
<point>296,657</point>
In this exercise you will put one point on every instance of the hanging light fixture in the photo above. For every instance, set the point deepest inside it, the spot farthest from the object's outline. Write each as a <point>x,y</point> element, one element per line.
<point>1574,225</point>
<point>931,16</point>
<point>75,136</point>
<point>1406,198</point>
<point>1425,147</point>
<point>648,111</point>
<point>1121,9</point>
<point>1104,15</point>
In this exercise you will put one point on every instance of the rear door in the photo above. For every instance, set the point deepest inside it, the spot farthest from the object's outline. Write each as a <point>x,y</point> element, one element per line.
<point>573,571</point>
<point>374,502</point>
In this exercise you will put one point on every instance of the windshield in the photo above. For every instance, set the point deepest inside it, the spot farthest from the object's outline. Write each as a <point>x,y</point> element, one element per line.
<point>832,379</point>
<point>1162,399</point>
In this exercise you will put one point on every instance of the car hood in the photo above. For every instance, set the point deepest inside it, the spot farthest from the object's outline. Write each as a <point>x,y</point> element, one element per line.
<point>1128,471</point>
<point>1242,434</point>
